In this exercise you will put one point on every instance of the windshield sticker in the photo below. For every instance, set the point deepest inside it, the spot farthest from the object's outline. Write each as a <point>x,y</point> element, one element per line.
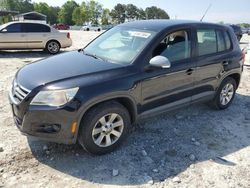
<point>139,34</point>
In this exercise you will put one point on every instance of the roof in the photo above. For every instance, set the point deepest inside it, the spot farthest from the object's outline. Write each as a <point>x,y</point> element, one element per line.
<point>158,25</point>
<point>6,24</point>
<point>32,13</point>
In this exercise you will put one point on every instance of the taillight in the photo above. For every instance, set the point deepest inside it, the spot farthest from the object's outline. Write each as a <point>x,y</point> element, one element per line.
<point>68,35</point>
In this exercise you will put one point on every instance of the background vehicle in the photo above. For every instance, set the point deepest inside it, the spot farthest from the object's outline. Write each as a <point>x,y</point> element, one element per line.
<point>28,35</point>
<point>92,27</point>
<point>94,95</point>
<point>61,26</point>
<point>238,31</point>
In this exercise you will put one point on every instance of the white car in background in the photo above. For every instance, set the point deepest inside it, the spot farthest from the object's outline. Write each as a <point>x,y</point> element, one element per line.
<point>32,35</point>
<point>93,27</point>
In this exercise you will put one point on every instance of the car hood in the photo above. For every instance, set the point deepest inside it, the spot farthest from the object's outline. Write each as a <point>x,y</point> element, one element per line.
<point>60,67</point>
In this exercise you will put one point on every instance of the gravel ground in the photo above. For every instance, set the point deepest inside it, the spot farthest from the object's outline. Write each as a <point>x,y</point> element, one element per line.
<point>191,147</point>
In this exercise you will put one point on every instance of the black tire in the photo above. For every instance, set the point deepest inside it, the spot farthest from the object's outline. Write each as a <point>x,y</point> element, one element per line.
<point>87,29</point>
<point>99,30</point>
<point>216,103</point>
<point>53,47</point>
<point>90,121</point>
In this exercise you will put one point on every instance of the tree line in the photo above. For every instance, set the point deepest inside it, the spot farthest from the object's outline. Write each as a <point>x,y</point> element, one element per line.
<point>72,13</point>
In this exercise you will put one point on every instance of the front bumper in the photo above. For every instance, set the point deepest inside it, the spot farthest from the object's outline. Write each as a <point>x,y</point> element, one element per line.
<point>45,123</point>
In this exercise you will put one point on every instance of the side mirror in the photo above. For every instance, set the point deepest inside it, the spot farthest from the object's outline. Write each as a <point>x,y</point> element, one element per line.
<point>4,31</point>
<point>160,61</point>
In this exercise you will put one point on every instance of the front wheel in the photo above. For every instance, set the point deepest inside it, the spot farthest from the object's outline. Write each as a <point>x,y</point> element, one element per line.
<point>225,94</point>
<point>104,128</point>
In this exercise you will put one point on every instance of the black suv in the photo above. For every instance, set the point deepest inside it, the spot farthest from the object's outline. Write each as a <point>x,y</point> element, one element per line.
<point>134,70</point>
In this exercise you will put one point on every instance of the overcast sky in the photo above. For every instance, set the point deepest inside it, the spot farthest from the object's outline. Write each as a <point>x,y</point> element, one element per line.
<point>229,11</point>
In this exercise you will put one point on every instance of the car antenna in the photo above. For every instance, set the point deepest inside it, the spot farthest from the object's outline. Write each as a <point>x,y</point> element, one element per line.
<point>209,6</point>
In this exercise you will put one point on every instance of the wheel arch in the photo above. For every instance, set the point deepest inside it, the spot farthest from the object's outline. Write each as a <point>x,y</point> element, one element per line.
<point>236,77</point>
<point>126,101</point>
<point>50,40</point>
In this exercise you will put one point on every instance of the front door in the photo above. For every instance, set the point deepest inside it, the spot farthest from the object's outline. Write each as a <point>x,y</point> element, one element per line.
<point>173,86</point>
<point>12,37</point>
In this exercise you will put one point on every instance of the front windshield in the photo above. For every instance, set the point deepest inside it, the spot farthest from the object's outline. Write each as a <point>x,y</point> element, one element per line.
<point>120,44</point>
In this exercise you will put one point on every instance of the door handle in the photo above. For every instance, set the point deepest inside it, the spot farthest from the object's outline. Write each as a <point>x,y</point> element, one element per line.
<point>23,35</point>
<point>225,63</point>
<point>190,71</point>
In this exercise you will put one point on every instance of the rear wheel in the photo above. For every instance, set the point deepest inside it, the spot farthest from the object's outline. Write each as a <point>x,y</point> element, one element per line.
<point>87,29</point>
<point>104,128</point>
<point>225,94</point>
<point>53,47</point>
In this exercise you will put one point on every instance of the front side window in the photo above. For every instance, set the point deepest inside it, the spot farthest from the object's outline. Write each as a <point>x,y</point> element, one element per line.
<point>176,46</point>
<point>120,44</point>
<point>207,43</point>
<point>14,28</point>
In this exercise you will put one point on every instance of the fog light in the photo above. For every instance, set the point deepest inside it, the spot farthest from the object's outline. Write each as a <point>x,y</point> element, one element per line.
<point>49,128</point>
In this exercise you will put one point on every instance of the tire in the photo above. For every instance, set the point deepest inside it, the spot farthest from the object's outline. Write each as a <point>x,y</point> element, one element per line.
<point>87,29</point>
<point>221,93</point>
<point>53,47</point>
<point>99,30</point>
<point>93,134</point>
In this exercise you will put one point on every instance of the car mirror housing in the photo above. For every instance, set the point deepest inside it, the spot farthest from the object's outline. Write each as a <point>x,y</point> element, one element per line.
<point>160,61</point>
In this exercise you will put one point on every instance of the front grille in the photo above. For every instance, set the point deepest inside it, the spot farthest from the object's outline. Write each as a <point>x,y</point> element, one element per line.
<point>19,93</point>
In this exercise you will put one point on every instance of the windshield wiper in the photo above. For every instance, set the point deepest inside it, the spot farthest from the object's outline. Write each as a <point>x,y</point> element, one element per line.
<point>95,56</point>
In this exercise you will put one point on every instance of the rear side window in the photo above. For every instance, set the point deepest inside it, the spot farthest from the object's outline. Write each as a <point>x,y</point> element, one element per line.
<point>207,43</point>
<point>220,41</point>
<point>36,28</point>
<point>227,40</point>
<point>212,41</point>
<point>14,28</point>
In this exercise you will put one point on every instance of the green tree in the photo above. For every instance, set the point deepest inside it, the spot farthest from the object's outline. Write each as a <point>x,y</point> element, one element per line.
<point>141,14</point>
<point>54,12</point>
<point>50,12</point>
<point>65,14</point>
<point>118,14</point>
<point>17,5</point>
<point>105,16</point>
<point>77,16</point>
<point>94,11</point>
<point>156,13</point>
<point>132,12</point>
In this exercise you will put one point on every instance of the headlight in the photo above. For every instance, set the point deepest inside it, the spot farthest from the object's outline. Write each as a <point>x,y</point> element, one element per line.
<point>54,97</point>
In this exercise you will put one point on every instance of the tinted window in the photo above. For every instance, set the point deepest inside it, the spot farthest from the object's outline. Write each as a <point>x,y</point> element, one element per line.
<point>220,41</point>
<point>176,46</point>
<point>36,28</point>
<point>207,43</point>
<point>14,28</point>
<point>227,40</point>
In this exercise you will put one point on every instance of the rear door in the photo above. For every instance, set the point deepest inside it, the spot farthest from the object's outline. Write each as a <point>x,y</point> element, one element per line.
<point>213,55</point>
<point>37,34</point>
<point>13,37</point>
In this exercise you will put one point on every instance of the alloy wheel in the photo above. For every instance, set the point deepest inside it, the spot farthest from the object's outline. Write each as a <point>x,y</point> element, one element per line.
<point>108,130</point>
<point>226,94</point>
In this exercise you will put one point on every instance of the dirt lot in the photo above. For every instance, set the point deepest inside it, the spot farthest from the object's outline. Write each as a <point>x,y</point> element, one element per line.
<point>191,147</point>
